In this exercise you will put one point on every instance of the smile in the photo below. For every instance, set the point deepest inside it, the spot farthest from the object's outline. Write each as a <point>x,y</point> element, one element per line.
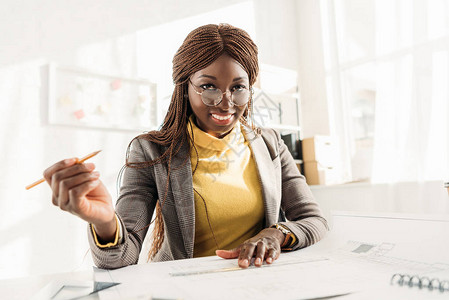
<point>221,117</point>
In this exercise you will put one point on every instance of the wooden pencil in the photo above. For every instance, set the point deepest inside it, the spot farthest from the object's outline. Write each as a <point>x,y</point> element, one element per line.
<point>78,161</point>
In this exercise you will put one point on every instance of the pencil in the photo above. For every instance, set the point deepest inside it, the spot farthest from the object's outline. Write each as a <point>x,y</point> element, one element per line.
<point>78,161</point>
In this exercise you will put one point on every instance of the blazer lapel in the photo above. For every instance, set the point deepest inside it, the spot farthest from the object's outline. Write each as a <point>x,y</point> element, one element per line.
<point>182,190</point>
<point>266,172</point>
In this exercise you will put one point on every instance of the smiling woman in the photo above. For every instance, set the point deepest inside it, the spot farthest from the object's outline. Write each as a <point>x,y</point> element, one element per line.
<point>115,40</point>
<point>216,112</point>
<point>239,181</point>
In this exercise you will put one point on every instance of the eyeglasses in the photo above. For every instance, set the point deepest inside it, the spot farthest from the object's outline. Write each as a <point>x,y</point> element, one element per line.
<point>213,96</point>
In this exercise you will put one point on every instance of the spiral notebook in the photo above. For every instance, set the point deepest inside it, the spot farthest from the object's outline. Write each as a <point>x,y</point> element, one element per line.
<point>421,282</point>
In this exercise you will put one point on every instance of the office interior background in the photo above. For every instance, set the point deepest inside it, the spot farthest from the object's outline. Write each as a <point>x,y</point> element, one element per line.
<point>372,76</point>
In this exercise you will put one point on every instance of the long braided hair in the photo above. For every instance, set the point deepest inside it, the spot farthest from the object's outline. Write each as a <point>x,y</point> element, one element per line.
<point>201,47</point>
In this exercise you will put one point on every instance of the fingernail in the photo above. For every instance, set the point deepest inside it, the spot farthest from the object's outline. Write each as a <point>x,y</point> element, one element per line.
<point>245,263</point>
<point>96,174</point>
<point>90,166</point>
<point>269,260</point>
<point>258,261</point>
<point>69,161</point>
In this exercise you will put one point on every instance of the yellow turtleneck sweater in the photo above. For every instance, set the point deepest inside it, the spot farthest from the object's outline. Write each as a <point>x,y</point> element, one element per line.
<point>227,186</point>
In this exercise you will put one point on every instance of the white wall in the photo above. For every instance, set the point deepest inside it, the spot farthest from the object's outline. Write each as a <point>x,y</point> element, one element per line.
<point>32,29</point>
<point>289,36</point>
<point>311,72</point>
<point>277,33</point>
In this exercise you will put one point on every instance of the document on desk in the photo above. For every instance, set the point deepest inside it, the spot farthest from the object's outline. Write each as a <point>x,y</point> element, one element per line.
<point>292,276</point>
<point>356,260</point>
<point>385,245</point>
<point>402,243</point>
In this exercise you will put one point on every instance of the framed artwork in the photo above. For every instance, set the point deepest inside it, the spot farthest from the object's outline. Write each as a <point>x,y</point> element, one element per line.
<point>78,97</point>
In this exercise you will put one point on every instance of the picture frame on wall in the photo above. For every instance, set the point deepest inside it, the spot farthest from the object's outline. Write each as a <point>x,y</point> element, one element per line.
<point>83,98</point>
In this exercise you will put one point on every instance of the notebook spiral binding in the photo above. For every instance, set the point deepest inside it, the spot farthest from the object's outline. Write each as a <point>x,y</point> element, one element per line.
<point>421,282</point>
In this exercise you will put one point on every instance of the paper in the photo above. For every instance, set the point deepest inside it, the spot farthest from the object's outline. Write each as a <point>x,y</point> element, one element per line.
<point>382,246</point>
<point>356,260</point>
<point>216,278</point>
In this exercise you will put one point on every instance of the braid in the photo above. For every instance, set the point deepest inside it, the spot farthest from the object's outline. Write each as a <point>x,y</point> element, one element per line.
<point>201,48</point>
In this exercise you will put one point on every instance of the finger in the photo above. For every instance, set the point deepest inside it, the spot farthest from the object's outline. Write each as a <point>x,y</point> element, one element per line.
<point>67,172</point>
<point>48,173</point>
<point>246,253</point>
<point>272,255</point>
<point>72,171</point>
<point>227,254</point>
<point>78,193</point>
<point>260,255</point>
<point>71,182</point>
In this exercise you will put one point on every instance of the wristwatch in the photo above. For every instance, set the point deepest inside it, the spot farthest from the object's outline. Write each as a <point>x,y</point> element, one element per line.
<point>289,237</point>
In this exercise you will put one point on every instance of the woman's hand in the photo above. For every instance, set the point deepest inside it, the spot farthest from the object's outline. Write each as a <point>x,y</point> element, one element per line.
<point>266,245</point>
<point>78,190</point>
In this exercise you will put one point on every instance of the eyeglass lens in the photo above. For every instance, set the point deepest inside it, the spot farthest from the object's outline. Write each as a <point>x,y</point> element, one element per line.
<point>213,96</point>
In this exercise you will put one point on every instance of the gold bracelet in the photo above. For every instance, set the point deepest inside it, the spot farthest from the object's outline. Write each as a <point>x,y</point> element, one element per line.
<point>289,237</point>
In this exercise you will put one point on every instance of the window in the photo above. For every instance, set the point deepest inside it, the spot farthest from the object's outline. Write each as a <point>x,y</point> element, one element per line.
<point>387,73</point>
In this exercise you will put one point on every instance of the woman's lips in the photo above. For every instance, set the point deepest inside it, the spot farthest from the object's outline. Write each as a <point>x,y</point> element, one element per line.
<point>222,119</point>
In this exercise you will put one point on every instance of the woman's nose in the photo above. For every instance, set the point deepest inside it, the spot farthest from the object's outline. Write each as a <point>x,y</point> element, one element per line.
<point>226,101</point>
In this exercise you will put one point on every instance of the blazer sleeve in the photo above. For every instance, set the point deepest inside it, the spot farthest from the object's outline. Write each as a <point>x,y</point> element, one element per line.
<point>134,207</point>
<point>304,217</point>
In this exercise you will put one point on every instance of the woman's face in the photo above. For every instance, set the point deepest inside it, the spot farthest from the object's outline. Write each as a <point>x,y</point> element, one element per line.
<point>227,75</point>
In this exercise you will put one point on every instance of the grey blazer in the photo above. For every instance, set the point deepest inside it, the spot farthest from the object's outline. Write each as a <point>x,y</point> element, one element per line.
<point>283,187</point>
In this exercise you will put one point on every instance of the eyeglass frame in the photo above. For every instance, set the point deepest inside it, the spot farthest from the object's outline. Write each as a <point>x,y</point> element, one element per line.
<point>230,98</point>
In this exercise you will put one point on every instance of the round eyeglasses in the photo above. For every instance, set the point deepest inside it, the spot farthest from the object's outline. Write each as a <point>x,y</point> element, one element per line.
<point>213,96</point>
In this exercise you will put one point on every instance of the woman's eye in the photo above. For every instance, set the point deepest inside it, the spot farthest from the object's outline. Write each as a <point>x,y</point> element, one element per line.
<point>238,87</point>
<point>207,86</point>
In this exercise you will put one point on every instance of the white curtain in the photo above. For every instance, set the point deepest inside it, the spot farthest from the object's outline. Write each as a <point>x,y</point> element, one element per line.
<point>411,139</point>
<point>393,57</point>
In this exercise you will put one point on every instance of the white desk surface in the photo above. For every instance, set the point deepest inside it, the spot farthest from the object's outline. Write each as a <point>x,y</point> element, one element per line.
<point>359,256</point>
<point>26,288</point>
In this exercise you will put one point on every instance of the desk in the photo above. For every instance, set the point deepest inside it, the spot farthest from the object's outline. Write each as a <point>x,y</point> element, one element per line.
<point>356,261</point>
<point>26,288</point>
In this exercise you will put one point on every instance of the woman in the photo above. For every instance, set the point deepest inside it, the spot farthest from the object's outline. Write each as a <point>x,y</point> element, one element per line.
<point>215,180</point>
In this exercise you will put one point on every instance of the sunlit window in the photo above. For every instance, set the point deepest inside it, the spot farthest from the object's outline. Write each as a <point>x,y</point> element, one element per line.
<point>387,77</point>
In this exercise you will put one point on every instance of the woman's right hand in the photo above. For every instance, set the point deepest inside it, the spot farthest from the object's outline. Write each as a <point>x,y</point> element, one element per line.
<point>78,190</point>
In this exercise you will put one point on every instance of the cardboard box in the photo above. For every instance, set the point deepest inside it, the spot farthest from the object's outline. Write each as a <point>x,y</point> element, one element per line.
<point>319,149</point>
<point>319,174</point>
<point>320,160</point>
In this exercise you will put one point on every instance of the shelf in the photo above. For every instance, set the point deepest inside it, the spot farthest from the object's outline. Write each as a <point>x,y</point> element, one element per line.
<point>284,127</point>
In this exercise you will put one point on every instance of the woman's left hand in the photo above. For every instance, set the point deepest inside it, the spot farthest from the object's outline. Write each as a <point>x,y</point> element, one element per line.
<point>266,245</point>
